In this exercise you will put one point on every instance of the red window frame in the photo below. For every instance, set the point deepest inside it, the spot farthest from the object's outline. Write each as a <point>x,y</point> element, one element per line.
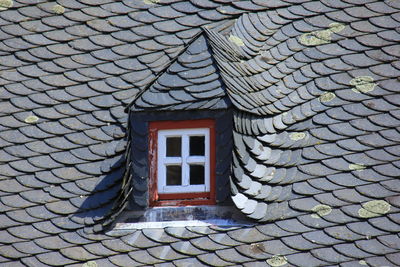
<point>179,199</point>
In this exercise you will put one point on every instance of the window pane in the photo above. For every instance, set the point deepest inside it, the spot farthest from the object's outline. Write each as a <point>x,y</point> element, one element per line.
<point>174,175</point>
<point>197,146</point>
<point>174,146</point>
<point>196,174</point>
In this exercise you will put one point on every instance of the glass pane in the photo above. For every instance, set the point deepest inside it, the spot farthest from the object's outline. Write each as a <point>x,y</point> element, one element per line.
<point>196,174</point>
<point>197,146</point>
<point>174,146</point>
<point>174,175</point>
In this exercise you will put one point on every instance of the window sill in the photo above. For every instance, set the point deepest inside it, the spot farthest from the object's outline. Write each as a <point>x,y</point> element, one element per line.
<point>162,217</point>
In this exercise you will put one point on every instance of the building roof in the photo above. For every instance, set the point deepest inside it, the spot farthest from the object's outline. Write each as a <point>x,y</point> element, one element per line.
<point>315,92</point>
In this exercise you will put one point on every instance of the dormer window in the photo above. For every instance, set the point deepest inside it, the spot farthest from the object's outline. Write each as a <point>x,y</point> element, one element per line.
<point>182,162</point>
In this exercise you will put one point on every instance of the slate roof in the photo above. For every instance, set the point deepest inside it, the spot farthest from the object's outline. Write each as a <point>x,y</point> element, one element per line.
<point>316,160</point>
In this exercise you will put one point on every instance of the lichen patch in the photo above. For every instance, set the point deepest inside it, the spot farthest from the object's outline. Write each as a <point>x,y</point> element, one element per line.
<point>374,208</point>
<point>277,260</point>
<point>321,37</point>
<point>6,4</point>
<point>151,2</point>
<point>31,119</point>
<point>363,84</point>
<point>362,262</point>
<point>356,167</point>
<point>321,210</point>
<point>58,9</point>
<point>90,264</point>
<point>236,40</point>
<point>326,97</point>
<point>297,136</point>
<point>336,27</point>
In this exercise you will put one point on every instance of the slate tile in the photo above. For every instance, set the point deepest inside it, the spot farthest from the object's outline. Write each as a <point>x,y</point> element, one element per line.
<point>319,237</point>
<point>275,247</point>
<point>181,233</point>
<point>231,255</point>
<point>37,196</point>
<point>118,245</point>
<point>86,59</point>
<point>34,132</point>
<point>15,201</point>
<point>377,261</point>
<point>389,241</point>
<point>29,248</point>
<point>61,207</point>
<point>365,229</point>
<point>158,235</point>
<point>374,191</point>
<point>139,240</point>
<point>224,239</point>
<point>12,186</point>
<point>31,71</point>
<point>78,16</point>
<point>247,235</point>
<point>144,257</point>
<point>350,195</point>
<point>394,258</point>
<point>39,147</point>
<point>118,52</point>
<point>343,233</point>
<point>6,157</point>
<point>54,259</point>
<point>305,259</point>
<point>48,177</point>
<point>374,246</point>
<point>187,262</point>
<point>205,243</point>
<point>74,124</point>
<point>44,162</point>
<point>311,221</point>
<point>123,260</point>
<point>8,171</point>
<point>90,168</point>
<point>106,101</point>
<point>77,253</point>
<point>73,188</point>
<point>59,35</point>
<point>85,154</point>
<point>42,213</point>
<point>25,232</point>
<point>351,250</point>
<point>186,248</point>
<point>80,139</point>
<point>11,220</point>
<point>25,103</point>
<point>384,224</point>
<point>11,252</point>
<point>329,255</point>
<point>65,223</point>
<point>212,259</point>
<point>69,173</point>
<point>66,158</point>
<point>7,238</point>
<point>164,253</point>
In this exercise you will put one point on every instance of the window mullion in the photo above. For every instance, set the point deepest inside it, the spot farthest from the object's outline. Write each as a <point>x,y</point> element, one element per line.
<point>185,165</point>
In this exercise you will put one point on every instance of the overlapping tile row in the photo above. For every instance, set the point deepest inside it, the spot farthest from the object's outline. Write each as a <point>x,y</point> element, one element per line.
<point>68,67</point>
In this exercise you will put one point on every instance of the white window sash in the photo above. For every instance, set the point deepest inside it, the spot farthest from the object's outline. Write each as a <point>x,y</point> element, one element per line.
<point>184,161</point>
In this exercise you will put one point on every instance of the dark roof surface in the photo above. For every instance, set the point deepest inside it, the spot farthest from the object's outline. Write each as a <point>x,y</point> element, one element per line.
<point>317,127</point>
